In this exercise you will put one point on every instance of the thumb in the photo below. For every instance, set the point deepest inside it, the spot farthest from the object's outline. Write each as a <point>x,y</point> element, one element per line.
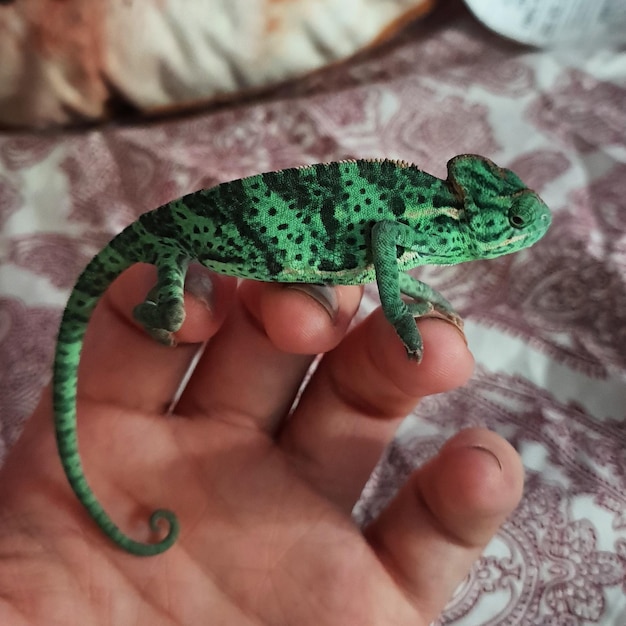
<point>431,533</point>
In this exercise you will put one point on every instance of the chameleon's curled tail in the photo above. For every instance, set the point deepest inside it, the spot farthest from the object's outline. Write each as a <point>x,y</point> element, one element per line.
<point>94,280</point>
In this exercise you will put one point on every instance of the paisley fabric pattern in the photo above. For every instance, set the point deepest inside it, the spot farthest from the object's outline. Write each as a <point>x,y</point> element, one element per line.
<point>547,326</point>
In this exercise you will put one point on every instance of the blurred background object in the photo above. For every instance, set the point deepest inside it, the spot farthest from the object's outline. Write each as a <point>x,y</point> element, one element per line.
<point>74,62</point>
<point>585,24</point>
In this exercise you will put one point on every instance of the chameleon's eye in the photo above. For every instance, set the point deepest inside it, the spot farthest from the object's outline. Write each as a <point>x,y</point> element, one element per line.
<point>523,210</point>
<point>516,220</point>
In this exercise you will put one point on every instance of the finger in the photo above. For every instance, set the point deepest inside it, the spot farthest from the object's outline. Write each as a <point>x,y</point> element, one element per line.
<point>358,396</point>
<point>253,368</point>
<point>437,526</point>
<point>122,364</point>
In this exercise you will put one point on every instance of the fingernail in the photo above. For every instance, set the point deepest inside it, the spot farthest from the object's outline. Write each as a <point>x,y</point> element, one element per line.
<point>487,451</point>
<point>326,296</point>
<point>199,284</point>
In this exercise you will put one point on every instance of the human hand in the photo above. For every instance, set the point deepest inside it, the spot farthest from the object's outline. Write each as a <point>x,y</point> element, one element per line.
<point>263,500</point>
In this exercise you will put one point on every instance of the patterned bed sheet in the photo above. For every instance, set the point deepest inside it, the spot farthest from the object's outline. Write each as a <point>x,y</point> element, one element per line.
<point>547,326</point>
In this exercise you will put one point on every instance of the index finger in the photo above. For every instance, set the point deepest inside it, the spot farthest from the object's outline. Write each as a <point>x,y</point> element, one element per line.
<point>358,396</point>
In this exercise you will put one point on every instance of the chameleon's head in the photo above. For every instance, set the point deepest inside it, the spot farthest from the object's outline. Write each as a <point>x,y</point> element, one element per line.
<point>518,224</point>
<point>501,214</point>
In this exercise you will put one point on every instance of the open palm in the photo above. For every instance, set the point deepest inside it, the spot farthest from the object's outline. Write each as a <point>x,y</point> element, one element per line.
<point>263,496</point>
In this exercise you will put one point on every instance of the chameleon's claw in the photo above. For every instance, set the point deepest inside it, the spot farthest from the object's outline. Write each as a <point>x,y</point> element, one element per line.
<point>414,354</point>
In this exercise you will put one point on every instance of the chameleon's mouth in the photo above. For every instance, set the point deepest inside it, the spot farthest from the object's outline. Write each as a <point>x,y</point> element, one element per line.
<point>526,238</point>
<point>504,243</point>
<point>507,243</point>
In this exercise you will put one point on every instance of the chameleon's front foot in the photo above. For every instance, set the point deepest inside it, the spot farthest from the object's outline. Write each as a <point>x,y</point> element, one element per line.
<point>407,329</point>
<point>160,319</point>
<point>394,284</point>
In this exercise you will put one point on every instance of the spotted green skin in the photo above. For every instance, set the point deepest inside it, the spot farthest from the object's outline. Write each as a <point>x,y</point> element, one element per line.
<point>344,223</point>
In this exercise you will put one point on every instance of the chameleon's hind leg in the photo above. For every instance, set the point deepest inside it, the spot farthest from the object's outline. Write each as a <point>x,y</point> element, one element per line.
<point>163,311</point>
<point>392,283</point>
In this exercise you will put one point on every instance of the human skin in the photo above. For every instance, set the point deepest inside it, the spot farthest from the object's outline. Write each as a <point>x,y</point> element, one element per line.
<point>264,502</point>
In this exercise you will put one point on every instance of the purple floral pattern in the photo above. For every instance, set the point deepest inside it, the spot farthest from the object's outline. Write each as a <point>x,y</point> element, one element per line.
<point>21,151</point>
<point>548,324</point>
<point>547,565</point>
<point>26,343</point>
<point>582,110</point>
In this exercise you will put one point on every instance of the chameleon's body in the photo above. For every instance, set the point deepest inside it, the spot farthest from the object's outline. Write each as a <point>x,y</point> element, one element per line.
<point>341,223</point>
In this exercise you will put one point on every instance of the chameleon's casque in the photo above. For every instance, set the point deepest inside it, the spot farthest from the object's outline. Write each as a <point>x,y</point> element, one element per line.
<point>343,223</point>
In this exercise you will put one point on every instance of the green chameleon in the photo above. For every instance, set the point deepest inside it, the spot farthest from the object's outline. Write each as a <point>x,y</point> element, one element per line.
<point>344,223</point>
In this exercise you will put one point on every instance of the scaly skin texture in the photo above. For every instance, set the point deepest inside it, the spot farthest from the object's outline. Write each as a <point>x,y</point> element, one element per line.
<point>344,223</point>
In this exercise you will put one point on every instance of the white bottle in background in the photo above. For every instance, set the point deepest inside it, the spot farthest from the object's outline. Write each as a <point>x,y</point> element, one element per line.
<point>555,23</point>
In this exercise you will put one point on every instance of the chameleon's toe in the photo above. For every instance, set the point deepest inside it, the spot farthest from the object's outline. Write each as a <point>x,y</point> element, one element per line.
<point>147,314</point>
<point>162,336</point>
<point>420,308</point>
<point>409,333</point>
<point>449,316</point>
<point>160,320</point>
<point>172,315</point>
<point>410,336</point>
<point>425,308</point>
